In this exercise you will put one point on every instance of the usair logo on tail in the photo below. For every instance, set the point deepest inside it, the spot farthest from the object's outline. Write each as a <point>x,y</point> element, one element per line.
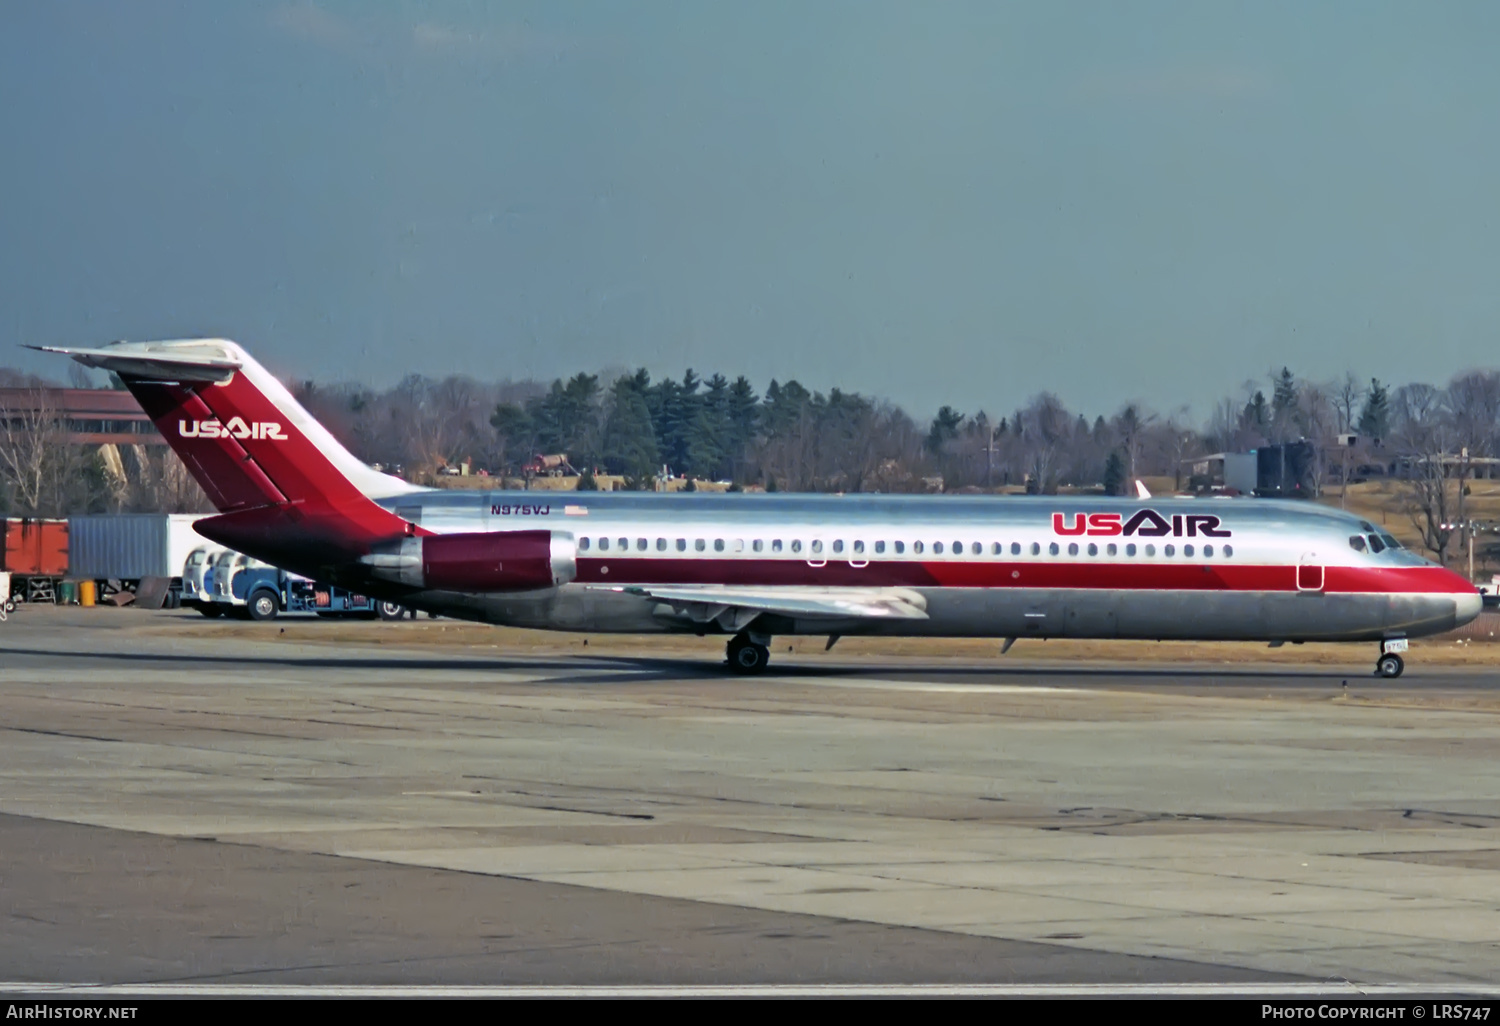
<point>236,428</point>
<point>1147,523</point>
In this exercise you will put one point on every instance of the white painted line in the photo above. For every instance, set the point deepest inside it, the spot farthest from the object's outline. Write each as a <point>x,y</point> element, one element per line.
<point>1283,990</point>
<point>944,689</point>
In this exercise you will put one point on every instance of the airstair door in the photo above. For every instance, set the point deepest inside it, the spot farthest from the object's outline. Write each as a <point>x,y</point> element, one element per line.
<point>1310,573</point>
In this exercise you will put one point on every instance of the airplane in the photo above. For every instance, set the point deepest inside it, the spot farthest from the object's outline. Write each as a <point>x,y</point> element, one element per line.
<point>755,566</point>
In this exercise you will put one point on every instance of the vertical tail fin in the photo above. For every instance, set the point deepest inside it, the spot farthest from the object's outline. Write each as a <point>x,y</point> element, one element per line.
<point>260,456</point>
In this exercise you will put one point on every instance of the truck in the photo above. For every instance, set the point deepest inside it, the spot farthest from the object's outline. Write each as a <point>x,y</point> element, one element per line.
<point>244,587</point>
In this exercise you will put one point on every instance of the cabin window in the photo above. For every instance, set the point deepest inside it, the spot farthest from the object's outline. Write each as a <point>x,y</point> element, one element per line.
<point>583,544</point>
<point>1228,551</point>
<point>916,547</point>
<point>624,544</point>
<point>1111,549</point>
<point>977,548</point>
<point>1015,548</point>
<point>817,546</point>
<point>603,544</point>
<point>775,544</point>
<point>900,547</point>
<point>1187,550</point>
<point>739,545</point>
<point>1053,550</point>
<point>838,545</point>
<point>661,545</point>
<point>1169,550</point>
<point>1208,552</point>
<point>757,545</point>
<point>1357,543</point>
<point>1130,549</point>
<point>958,548</point>
<point>641,544</point>
<point>718,544</point>
<point>879,547</point>
<point>1150,550</point>
<point>681,544</point>
<point>1093,549</point>
<point>699,544</point>
<point>1036,548</point>
<point>796,545</point>
<point>1072,548</point>
<point>859,547</point>
<point>998,549</point>
<point>937,547</point>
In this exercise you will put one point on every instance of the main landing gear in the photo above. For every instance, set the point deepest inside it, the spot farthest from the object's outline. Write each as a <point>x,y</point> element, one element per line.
<point>749,653</point>
<point>1390,664</point>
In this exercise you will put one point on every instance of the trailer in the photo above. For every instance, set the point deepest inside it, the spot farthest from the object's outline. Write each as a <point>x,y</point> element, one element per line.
<point>36,557</point>
<point>142,553</point>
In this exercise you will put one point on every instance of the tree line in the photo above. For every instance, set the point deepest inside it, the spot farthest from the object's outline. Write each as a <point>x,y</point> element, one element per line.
<point>793,438</point>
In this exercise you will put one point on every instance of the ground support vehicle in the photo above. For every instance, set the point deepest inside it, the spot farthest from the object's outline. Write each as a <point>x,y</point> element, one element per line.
<point>249,589</point>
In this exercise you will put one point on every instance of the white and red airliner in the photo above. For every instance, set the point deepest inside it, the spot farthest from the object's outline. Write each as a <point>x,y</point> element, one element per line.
<point>751,567</point>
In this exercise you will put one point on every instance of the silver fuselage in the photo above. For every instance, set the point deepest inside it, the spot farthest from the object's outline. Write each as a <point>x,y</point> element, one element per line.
<point>1044,566</point>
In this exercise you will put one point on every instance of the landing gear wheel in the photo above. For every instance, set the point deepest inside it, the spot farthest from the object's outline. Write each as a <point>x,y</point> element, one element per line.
<point>1389,666</point>
<point>746,657</point>
<point>391,610</point>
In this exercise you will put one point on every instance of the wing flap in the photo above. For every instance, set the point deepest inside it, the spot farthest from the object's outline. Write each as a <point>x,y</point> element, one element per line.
<point>716,602</point>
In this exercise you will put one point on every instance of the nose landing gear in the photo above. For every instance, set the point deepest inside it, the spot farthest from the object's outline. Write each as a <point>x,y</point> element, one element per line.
<point>1390,664</point>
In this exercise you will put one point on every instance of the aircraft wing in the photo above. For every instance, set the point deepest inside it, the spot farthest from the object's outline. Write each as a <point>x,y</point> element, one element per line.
<point>734,607</point>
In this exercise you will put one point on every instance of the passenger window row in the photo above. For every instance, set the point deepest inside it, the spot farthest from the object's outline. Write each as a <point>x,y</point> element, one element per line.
<point>857,550</point>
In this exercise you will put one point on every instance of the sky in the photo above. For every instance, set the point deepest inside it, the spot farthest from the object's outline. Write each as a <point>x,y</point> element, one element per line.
<point>934,203</point>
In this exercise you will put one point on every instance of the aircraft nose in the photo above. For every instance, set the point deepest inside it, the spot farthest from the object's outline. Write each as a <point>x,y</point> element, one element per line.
<point>1466,607</point>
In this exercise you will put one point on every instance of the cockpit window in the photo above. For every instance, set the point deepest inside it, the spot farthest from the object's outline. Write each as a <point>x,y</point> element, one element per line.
<point>1390,542</point>
<point>1376,545</point>
<point>1357,542</point>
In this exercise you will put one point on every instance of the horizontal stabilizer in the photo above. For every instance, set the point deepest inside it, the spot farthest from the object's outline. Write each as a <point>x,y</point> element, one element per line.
<point>182,362</point>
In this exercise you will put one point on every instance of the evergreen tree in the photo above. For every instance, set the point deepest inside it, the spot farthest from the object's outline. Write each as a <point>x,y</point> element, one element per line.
<point>513,425</point>
<point>566,418</point>
<point>744,420</point>
<point>1256,416</point>
<point>1284,395</point>
<point>630,446</point>
<point>944,428</point>
<point>1375,418</point>
<point>1114,475</point>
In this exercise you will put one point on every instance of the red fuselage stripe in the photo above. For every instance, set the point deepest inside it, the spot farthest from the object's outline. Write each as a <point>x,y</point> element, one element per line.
<point>960,574</point>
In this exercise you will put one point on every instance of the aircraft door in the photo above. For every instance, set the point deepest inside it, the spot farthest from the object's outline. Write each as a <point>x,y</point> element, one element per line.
<point>817,554</point>
<point>1310,573</point>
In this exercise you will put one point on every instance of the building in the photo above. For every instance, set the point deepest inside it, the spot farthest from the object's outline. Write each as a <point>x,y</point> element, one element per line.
<point>91,416</point>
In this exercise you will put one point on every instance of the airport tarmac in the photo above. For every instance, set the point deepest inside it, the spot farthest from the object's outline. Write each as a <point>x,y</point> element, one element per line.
<point>184,800</point>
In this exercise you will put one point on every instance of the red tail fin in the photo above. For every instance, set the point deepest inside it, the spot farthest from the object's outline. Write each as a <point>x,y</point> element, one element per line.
<point>263,460</point>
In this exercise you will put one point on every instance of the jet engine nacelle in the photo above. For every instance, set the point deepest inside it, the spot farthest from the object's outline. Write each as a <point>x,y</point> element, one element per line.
<point>486,561</point>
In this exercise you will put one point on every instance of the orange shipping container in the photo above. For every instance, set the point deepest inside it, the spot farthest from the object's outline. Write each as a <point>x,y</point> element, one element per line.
<point>36,548</point>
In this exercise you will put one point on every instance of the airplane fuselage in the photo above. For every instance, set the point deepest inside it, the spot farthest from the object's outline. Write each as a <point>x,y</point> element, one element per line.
<point>991,566</point>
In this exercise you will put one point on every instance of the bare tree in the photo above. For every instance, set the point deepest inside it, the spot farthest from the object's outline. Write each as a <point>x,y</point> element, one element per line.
<point>42,472</point>
<point>1424,439</point>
